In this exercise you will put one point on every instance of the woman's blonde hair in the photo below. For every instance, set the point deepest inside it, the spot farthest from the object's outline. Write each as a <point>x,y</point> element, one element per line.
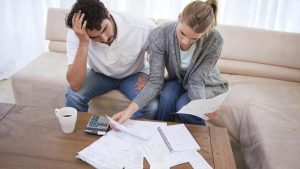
<point>200,16</point>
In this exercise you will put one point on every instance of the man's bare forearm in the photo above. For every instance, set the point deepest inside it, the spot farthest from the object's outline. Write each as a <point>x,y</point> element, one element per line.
<point>76,74</point>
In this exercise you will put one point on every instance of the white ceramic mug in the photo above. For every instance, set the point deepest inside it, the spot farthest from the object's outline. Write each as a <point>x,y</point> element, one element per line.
<point>67,117</point>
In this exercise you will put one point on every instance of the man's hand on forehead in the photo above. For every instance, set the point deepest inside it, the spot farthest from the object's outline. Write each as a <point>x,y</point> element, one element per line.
<point>79,26</point>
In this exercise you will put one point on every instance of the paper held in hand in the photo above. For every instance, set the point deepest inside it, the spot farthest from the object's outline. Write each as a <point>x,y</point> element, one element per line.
<point>201,106</point>
<point>142,134</point>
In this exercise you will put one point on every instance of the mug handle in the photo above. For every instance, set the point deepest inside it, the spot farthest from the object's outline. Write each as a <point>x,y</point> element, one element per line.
<point>56,112</point>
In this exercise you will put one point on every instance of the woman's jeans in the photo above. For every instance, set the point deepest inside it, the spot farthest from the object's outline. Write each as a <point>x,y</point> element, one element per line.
<point>172,98</point>
<point>97,84</point>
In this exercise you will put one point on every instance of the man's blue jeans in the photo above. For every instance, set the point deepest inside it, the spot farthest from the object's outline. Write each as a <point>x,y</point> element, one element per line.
<point>172,98</point>
<point>98,84</point>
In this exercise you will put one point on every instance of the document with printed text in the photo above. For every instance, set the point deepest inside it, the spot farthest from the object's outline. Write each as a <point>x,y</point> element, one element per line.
<point>178,138</point>
<point>119,149</point>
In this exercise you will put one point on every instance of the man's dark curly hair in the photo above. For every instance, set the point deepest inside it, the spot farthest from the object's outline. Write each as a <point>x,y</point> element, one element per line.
<point>94,10</point>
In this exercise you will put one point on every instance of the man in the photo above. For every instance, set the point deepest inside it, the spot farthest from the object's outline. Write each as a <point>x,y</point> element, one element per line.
<point>113,44</point>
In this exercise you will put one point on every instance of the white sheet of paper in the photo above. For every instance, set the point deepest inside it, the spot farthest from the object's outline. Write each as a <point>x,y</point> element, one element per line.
<point>118,149</point>
<point>135,158</point>
<point>107,152</point>
<point>179,138</point>
<point>113,149</point>
<point>140,131</point>
<point>197,161</point>
<point>118,125</point>
<point>156,153</point>
<point>201,106</point>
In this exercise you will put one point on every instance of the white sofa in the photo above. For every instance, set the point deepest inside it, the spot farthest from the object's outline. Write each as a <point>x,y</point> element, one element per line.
<point>261,113</point>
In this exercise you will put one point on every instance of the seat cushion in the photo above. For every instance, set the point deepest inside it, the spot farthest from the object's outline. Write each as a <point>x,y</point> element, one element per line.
<point>270,131</point>
<point>109,103</point>
<point>246,91</point>
<point>43,83</point>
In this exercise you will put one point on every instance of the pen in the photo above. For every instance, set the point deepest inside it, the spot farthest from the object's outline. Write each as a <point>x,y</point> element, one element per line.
<point>165,139</point>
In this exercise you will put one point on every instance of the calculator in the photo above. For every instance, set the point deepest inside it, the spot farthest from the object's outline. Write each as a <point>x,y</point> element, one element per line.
<point>97,125</point>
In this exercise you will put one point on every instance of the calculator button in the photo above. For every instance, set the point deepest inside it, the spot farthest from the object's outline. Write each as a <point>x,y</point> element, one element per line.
<point>102,124</point>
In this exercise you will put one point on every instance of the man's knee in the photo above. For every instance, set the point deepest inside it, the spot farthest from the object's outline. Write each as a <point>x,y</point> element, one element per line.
<point>76,100</point>
<point>72,95</point>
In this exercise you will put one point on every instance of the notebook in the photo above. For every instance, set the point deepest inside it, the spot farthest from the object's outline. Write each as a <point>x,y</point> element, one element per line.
<point>178,138</point>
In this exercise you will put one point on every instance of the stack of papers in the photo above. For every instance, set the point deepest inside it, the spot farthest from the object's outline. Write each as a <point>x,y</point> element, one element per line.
<point>137,140</point>
<point>114,149</point>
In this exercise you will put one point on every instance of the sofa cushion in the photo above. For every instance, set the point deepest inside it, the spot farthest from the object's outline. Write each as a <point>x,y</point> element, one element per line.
<point>56,28</point>
<point>109,103</point>
<point>57,46</point>
<point>43,83</point>
<point>261,46</point>
<point>236,67</point>
<point>270,131</point>
<point>246,91</point>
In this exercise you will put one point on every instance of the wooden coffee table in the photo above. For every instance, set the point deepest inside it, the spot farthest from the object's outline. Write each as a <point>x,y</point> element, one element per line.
<point>30,137</point>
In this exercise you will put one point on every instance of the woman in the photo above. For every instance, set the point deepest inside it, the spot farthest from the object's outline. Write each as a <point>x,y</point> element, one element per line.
<point>189,49</point>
